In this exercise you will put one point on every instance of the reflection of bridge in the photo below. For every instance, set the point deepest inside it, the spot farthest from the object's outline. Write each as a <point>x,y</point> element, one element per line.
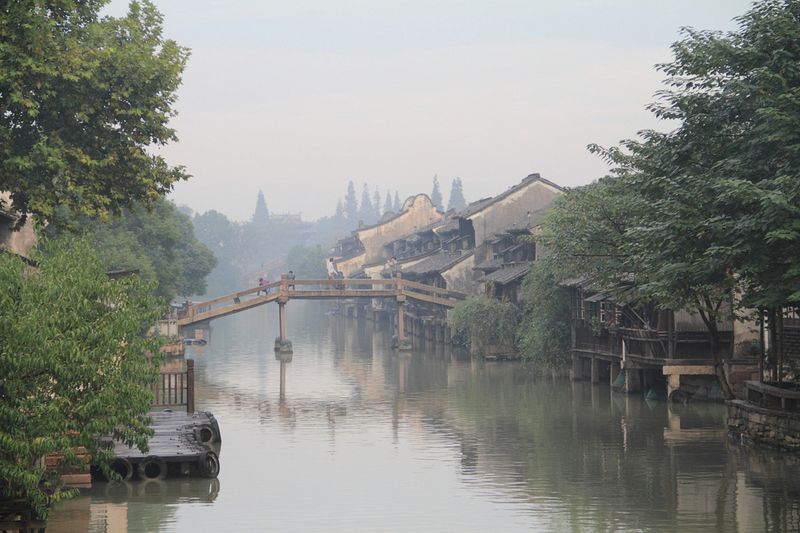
<point>287,289</point>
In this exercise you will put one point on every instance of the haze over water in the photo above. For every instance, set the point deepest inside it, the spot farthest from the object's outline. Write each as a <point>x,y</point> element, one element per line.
<point>366,440</point>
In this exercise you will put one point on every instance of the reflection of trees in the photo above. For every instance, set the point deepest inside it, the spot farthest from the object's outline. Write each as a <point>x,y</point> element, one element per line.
<point>139,506</point>
<point>598,460</point>
<point>612,461</point>
<point>775,475</point>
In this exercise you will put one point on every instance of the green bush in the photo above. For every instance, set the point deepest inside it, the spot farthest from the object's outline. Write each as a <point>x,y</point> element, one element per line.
<point>73,366</point>
<point>545,325</point>
<point>483,322</point>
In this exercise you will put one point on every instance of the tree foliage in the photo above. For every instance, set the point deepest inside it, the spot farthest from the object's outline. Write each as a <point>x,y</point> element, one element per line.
<point>351,204</point>
<point>307,262</point>
<point>713,205</point>
<point>388,207</point>
<point>75,365</point>
<point>456,200</point>
<point>82,99</point>
<point>544,330</point>
<point>366,212</point>
<point>436,194</point>
<point>158,242</point>
<point>261,214</point>
<point>485,321</point>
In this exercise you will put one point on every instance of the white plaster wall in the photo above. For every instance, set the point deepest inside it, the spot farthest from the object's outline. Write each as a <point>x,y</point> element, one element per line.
<point>420,213</point>
<point>460,276</point>
<point>512,210</point>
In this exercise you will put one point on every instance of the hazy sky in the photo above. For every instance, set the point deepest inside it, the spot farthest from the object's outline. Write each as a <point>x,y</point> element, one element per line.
<point>298,97</point>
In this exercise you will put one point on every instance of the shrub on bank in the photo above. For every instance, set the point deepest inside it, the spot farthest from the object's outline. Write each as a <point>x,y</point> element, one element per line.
<point>486,324</point>
<point>544,330</point>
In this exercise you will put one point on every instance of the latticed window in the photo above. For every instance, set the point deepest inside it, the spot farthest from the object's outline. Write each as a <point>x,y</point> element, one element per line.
<point>791,312</point>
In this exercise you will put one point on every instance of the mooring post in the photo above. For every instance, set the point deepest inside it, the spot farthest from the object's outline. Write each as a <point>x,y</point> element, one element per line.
<point>190,386</point>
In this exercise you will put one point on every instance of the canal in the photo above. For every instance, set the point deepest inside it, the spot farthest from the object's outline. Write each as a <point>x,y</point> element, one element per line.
<point>366,440</point>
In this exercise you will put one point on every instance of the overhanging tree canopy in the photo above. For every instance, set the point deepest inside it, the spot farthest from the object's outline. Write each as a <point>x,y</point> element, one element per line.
<point>72,365</point>
<point>83,100</point>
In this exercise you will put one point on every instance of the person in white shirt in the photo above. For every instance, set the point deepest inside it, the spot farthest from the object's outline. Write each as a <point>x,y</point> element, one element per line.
<point>331,269</point>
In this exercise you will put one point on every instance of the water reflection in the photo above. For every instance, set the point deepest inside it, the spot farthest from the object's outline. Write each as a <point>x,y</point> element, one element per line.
<point>348,435</point>
<point>122,507</point>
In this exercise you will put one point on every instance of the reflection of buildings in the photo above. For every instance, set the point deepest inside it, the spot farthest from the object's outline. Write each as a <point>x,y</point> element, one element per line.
<point>571,456</point>
<point>601,460</point>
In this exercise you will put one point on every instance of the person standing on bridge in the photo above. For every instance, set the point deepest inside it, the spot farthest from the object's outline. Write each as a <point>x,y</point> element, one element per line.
<point>331,269</point>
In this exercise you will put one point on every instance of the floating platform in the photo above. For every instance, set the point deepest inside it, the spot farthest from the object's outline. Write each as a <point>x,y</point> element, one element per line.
<point>184,445</point>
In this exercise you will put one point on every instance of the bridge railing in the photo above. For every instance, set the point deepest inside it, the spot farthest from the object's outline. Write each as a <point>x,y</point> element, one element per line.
<point>288,288</point>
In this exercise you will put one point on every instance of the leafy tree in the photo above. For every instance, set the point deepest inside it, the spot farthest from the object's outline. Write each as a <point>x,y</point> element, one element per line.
<point>456,200</point>
<point>545,325</point>
<point>397,205</point>
<point>617,235</point>
<point>367,211</point>
<point>158,242</point>
<point>436,194</point>
<point>75,365</point>
<point>723,187</point>
<point>585,233</point>
<point>388,207</point>
<point>351,204</point>
<point>224,239</point>
<point>735,95</point>
<point>339,214</point>
<point>307,262</point>
<point>376,205</point>
<point>82,101</point>
<point>261,215</point>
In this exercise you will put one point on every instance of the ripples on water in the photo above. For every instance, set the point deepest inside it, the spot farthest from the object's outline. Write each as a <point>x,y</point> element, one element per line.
<point>368,440</point>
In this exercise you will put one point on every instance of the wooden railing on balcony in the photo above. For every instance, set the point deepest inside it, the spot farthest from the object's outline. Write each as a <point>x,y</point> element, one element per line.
<point>650,344</point>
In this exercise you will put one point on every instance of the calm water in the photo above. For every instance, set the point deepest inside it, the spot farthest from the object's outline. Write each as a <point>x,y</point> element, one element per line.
<point>366,440</point>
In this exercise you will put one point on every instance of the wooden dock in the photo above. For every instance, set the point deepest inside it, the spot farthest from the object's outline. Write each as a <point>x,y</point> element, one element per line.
<point>184,445</point>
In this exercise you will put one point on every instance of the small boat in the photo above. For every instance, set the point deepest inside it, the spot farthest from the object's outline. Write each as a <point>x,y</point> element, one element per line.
<point>199,342</point>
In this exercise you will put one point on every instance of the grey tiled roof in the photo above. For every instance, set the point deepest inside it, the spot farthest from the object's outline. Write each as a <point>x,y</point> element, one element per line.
<point>508,273</point>
<point>451,224</point>
<point>490,264</point>
<point>438,262</point>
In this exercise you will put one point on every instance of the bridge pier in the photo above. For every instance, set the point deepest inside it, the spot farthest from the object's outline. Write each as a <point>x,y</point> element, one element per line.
<point>401,343</point>
<point>282,343</point>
